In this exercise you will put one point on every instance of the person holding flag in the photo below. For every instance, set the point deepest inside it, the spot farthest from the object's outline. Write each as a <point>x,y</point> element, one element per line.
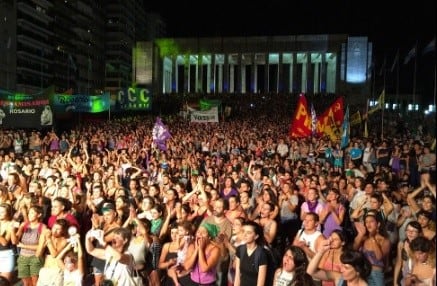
<point>160,135</point>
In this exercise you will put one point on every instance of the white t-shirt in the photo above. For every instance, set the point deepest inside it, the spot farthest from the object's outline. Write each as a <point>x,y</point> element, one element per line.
<point>284,278</point>
<point>117,272</point>
<point>73,278</point>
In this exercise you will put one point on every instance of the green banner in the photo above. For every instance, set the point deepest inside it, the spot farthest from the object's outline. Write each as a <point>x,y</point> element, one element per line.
<point>207,104</point>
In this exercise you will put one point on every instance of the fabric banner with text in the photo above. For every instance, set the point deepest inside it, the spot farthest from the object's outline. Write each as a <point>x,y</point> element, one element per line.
<point>24,111</point>
<point>334,114</point>
<point>81,103</point>
<point>301,121</point>
<point>203,116</point>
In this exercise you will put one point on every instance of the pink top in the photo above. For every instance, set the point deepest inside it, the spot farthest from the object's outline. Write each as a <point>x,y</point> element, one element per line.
<point>200,277</point>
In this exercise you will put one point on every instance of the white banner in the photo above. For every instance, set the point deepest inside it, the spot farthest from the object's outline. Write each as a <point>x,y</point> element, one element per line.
<point>205,115</point>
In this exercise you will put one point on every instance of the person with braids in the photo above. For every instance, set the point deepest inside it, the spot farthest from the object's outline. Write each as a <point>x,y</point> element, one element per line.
<point>293,269</point>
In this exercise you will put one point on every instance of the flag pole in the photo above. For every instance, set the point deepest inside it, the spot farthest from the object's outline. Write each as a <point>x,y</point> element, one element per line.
<point>414,77</point>
<point>382,115</point>
<point>365,132</point>
<point>435,79</point>
<point>397,85</point>
<point>382,107</point>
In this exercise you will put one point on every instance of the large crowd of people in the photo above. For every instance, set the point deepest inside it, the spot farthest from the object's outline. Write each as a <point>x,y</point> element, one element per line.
<point>237,202</point>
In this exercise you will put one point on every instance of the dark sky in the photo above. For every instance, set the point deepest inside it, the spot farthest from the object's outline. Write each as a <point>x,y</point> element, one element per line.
<point>389,26</point>
<point>398,25</point>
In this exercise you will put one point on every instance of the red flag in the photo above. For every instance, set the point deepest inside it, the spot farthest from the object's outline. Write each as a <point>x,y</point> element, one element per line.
<point>335,111</point>
<point>301,124</point>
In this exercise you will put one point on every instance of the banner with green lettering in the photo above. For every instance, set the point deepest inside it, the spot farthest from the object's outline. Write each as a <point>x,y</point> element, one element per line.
<point>81,103</point>
<point>134,98</point>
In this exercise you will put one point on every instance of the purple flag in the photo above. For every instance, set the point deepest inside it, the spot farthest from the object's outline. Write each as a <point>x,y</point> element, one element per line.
<point>160,135</point>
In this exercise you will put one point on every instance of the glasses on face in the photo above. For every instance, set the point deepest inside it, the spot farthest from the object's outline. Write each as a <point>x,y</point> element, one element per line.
<point>411,231</point>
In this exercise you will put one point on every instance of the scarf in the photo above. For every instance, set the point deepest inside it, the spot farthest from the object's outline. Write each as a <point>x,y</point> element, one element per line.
<point>312,206</point>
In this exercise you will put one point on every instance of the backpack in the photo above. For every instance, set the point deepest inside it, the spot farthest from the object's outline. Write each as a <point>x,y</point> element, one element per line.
<point>273,260</point>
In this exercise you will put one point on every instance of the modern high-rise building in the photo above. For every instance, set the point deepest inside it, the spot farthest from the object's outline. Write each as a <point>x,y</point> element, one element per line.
<point>79,46</point>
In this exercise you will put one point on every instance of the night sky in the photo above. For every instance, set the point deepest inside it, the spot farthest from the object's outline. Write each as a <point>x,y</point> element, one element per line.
<point>389,26</point>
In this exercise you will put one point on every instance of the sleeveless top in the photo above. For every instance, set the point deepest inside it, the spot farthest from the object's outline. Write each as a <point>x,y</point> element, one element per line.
<point>3,228</point>
<point>330,224</point>
<point>170,255</point>
<point>18,146</point>
<point>54,145</point>
<point>138,250</point>
<point>30,236</point>
<point>370,255</point>
<point>285,213</point>
<point>284,278</point>
<point>200,277</point>
<point>330,266</point>
<point>310,239</point>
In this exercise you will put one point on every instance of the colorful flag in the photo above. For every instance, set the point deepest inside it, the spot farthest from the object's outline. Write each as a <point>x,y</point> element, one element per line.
<point>301,121</point>
<point>346,130</point>
<point>395,62</point>
<point>335,112</point>
<point>313,120</point>
<point>380,103</point>
<point>331,129</point>
<point>410,55</point>
<point>160,135</point>
<point>429,48</point>
<point>355,118</point>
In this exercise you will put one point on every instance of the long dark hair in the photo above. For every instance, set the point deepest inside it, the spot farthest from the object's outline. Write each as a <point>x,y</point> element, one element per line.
<point>301,278</point>
<point>257,228</point>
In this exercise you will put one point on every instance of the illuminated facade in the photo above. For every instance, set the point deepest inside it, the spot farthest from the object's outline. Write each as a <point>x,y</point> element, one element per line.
<point>287,64</point>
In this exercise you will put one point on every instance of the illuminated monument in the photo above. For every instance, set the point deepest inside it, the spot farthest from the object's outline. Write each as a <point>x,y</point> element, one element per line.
<point>312,64</point>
